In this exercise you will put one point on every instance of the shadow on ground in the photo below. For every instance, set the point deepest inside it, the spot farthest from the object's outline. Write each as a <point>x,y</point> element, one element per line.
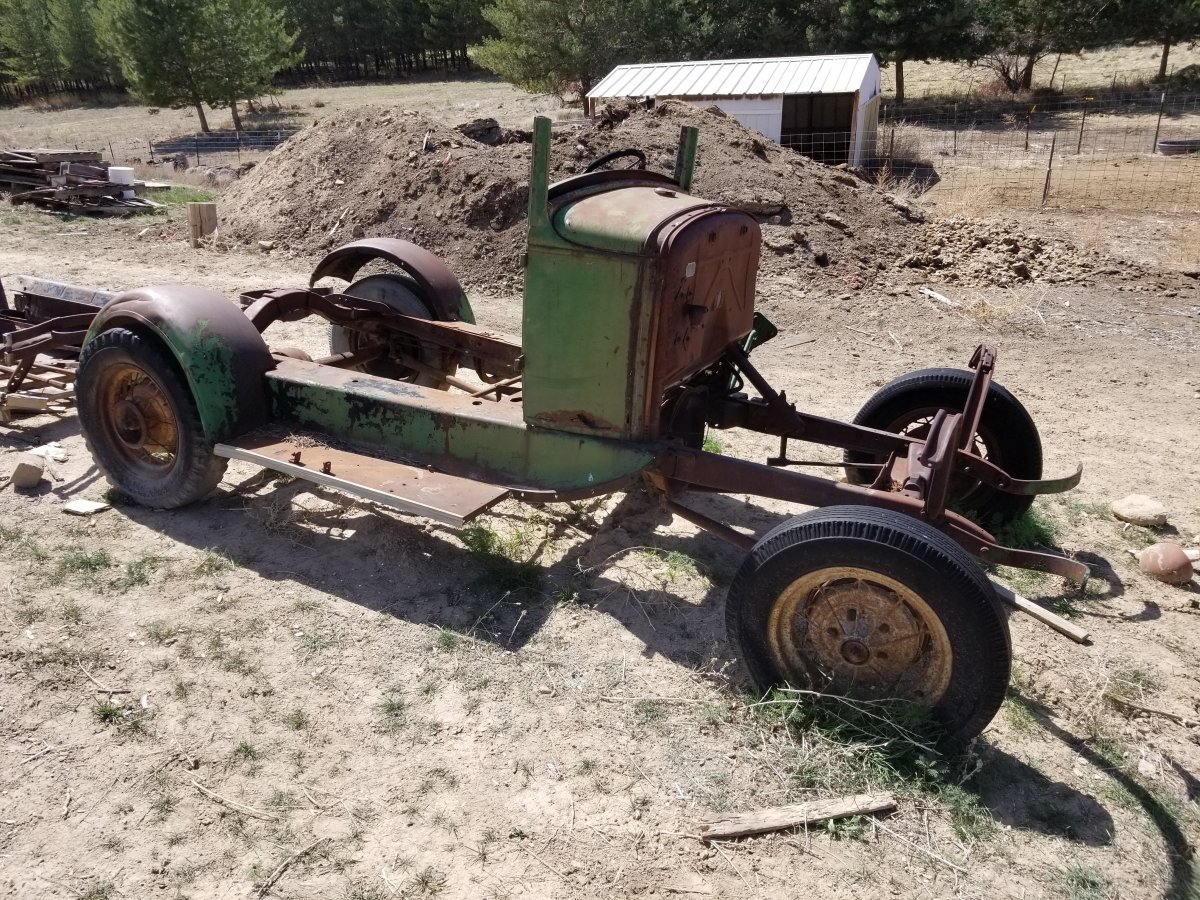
<point>1181,881</point>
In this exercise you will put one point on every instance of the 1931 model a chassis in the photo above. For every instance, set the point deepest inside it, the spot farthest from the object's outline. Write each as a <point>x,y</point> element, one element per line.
<point>638,326</point>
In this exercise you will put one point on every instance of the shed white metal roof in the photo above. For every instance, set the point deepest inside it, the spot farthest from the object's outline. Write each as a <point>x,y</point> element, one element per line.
<point>738,77</point>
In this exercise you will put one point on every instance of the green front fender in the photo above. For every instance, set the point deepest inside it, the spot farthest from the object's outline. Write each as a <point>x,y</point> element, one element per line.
<point>220,353</point>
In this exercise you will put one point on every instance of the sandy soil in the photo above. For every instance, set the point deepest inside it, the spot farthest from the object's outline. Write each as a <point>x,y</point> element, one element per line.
<point>300,673</point>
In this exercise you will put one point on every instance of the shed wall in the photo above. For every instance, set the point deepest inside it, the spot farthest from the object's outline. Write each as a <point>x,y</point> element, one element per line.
<point>763,114</point>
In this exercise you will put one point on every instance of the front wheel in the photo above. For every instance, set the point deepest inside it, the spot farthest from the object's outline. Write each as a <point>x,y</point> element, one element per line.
<point>141,424</point>
<point>872,604</point>
<point>1007,437</point>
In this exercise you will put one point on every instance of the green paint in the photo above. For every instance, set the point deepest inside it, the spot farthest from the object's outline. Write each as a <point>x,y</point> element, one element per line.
<point>685,158</point>
<point>621,221</point>
<point>591,280</point>
<point>211,341</point>
<point>451,432</point>
<point>207,362</point>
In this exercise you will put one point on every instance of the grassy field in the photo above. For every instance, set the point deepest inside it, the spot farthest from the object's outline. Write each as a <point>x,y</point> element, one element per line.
<point>1128,66</point>
<point>128,127</point>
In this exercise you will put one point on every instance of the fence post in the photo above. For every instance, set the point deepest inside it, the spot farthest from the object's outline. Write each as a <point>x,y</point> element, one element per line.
<point>1157,125</point>
<point>239,146</point>
<point>1049,166</point>
<point>150,144</point>
<point>1028,122</point>
<point>892,148</point>
<point>196,144</point>
<point>955,130</point>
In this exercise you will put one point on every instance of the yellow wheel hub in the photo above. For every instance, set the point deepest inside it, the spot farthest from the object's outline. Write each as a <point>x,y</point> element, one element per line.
<point>851,631</point>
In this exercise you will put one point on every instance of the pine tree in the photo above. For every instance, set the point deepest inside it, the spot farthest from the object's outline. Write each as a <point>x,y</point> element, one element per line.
<point>454,25</point>
<point>160,45</point>
<point>245,44</point>
<point>1164,22</point>
<point>27,39</point>
<point>76,43</point>
<point>898,31</point>
<point>191,52</point>
<point>568,45</point>
<point>1017,34</point>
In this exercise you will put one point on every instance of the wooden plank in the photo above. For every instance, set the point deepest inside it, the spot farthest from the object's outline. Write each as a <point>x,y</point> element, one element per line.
<point>202,221</point>
<point>44,156</point>
<point>1043,615</point>
<point>796,815</point>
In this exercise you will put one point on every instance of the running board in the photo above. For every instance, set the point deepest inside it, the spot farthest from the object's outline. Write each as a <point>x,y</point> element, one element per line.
<point>443,498</point>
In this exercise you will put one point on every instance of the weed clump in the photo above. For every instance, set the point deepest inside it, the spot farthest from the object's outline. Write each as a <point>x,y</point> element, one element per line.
<point>510,560</point>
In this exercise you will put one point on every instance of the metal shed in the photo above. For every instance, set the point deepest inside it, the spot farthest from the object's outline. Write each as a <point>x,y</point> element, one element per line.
<point>826,107</point>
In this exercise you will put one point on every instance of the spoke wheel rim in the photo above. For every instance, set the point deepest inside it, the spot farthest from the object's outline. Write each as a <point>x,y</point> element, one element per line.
<point>850,631</point>
<point>916,424</point>
<point>138,421</point>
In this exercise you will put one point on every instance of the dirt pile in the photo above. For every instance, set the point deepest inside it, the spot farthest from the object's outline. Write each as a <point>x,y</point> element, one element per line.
<point>377,171</point>
<point>1002,254</point>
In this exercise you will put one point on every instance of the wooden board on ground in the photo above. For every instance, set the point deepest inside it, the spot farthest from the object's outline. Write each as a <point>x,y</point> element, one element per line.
<point>777,818</point>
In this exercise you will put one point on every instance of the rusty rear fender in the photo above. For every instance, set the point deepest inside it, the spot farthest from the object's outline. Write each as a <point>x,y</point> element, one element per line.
<point>220,353</point>
<point>438,286</point>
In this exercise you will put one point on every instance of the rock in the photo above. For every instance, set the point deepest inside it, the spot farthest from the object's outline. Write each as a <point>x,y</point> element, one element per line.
<point>84,507</point>
<point>266,246</point>
<point>28,471</point>
<point>778,239</point>
<point>1138,509</point>
<point>1167,562</point>
<point>834,220</point>
<point>485,131</point>
<point>763,203</point>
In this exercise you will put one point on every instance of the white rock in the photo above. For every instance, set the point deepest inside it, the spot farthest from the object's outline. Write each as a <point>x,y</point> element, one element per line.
<point>83,507</point>
<point>28,471</point>
<point>1138,509</point>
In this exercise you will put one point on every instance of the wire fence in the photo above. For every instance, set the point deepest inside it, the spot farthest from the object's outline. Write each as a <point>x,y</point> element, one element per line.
<point>1138,152</point>
<point>196,146</point>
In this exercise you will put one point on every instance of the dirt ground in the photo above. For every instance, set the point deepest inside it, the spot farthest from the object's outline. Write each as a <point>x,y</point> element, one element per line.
<point>190,699</point>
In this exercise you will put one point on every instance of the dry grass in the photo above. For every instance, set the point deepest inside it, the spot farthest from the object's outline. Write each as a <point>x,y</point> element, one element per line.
<point>128,127</point>
<point>1094,69</point>
<point>1133,182</point>
<point>1184,252</point>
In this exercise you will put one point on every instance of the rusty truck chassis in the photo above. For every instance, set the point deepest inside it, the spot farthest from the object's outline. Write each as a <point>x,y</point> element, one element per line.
<point>915,478</point>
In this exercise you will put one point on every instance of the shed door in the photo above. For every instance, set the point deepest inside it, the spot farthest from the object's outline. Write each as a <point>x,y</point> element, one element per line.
<point>818,125</point>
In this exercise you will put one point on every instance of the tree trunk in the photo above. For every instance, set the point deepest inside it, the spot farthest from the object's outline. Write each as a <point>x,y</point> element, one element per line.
<point>237,119</point>
<point>899,81</point>
<point>1027,73</point>
<point>1162,63</point>
<point>200,115</point>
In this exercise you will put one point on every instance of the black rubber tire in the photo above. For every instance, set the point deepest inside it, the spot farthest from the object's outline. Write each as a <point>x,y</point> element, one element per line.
<point>195,471</point>
<point>1006,430</point>
<point>403,295</point>
<point>941,574</point>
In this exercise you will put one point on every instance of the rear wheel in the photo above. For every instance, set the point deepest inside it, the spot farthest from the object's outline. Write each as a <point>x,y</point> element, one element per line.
<point>141,424</point>
<point>1007,437</point>
<point>872,604</point>
<point>401,294</point>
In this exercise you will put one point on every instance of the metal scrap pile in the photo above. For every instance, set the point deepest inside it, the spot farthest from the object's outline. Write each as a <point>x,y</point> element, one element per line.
<point>75,181</point>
